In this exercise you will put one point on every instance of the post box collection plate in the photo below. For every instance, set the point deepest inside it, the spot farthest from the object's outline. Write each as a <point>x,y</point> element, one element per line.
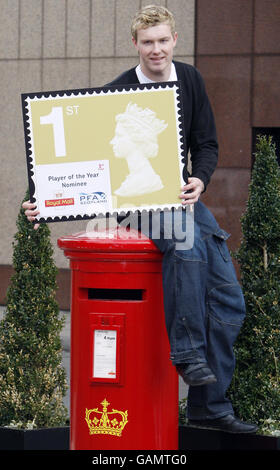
<point>105,354</point>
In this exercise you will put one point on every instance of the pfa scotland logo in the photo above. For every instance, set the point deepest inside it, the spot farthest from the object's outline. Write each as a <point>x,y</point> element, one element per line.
<point>95,197</point>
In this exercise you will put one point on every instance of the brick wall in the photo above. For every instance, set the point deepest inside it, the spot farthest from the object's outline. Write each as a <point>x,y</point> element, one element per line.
<point>61,44</point>
<point>238,53</point>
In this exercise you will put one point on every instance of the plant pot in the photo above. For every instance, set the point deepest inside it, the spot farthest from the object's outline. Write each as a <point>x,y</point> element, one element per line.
<point>191,438</point>
<point>34,439</point>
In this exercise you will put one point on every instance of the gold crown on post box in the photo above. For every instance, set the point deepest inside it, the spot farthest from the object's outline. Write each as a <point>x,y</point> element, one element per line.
<point>100,423</point>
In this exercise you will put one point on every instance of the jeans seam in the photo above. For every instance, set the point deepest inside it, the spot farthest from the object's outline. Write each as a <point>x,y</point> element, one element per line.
<point>224,322</point>
<point>222,285</point>
<point>208,235</point>
<point>188,259</point>
<point>183,319</point>
<point>176,307</point>
<point>189,333</point>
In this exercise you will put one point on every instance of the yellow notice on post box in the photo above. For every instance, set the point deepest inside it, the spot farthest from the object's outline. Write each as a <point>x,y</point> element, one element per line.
<point>104,150</point>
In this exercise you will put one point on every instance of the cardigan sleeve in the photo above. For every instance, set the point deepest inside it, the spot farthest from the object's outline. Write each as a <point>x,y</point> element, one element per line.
<point>203,137</point>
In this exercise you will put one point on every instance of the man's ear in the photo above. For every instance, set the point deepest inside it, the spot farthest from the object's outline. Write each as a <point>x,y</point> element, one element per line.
<point>134,42</point>
<point>175,37</point>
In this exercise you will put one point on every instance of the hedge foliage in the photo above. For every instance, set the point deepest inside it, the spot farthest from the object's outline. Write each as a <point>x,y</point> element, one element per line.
<point>255,390</point>
<point>32,380</point>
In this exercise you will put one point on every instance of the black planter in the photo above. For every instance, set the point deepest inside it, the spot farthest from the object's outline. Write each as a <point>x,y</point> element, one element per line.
<point>34,439</point>
<point>191,438</point>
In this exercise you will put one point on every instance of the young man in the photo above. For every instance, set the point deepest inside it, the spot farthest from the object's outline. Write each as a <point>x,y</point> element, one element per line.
<point>204,305</point>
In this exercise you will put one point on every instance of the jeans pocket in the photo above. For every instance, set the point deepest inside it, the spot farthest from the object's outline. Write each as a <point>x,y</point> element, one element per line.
<point>226,304</point>
<point>220,238</point>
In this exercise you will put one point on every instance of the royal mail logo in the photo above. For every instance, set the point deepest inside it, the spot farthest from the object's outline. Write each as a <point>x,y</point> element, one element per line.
<point>59,202</point>
<point>93,198</point>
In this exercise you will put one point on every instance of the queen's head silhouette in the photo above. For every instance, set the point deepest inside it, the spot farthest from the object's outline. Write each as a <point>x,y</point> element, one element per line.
<point>136,140</point>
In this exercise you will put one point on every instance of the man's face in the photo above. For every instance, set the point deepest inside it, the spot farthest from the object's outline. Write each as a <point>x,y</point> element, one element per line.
<point>155,46</point>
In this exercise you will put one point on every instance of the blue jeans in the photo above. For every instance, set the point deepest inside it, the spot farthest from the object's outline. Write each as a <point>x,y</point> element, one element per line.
<point>204,308</point>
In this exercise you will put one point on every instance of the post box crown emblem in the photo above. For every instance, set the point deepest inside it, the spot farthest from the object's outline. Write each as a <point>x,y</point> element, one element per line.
<point>99,422</point>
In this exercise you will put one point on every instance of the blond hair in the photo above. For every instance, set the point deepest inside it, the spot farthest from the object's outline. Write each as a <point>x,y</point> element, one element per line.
<point>152,15</point>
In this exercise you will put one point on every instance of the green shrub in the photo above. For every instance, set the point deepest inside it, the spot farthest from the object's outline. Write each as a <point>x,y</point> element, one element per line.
<point>255,389</point>
<point>32,380</point>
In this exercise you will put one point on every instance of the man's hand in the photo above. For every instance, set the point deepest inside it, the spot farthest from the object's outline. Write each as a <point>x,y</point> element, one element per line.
<point>195,186</point>
<point>30,212</point>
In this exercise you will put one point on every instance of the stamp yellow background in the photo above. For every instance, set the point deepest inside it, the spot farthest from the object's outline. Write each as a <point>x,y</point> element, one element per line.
<point>89,126</point>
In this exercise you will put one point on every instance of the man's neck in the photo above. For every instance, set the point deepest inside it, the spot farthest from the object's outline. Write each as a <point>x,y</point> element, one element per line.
<point>157,77</point>
<point>143,78</point>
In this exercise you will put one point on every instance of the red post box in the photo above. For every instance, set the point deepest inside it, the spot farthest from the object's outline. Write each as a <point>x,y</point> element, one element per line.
<point>124,388</point>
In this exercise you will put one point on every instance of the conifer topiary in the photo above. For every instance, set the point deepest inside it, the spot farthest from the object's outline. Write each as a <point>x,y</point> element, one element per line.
<point>32,380</point>
<point>255,389</point>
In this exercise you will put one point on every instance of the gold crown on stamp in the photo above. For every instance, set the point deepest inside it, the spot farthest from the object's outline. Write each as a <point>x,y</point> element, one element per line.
<point>99,422</point>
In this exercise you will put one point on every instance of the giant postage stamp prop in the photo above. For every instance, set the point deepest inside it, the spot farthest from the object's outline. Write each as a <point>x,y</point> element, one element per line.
<point>104,150</point>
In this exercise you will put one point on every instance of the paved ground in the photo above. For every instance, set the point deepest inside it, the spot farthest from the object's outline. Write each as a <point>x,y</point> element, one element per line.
<point>65,340</point>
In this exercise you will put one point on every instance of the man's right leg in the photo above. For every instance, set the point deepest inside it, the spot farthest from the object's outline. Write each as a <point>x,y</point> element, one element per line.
<point>184,274</point>
<point>184,284</point>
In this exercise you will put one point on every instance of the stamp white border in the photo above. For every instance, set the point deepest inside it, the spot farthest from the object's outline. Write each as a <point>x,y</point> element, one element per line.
<point>179,159</point>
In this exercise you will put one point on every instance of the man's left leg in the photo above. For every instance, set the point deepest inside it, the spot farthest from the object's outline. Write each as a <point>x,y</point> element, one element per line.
<point>208,405</point>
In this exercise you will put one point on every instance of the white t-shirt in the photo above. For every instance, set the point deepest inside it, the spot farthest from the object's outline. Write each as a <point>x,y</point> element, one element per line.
<point>143,79</point>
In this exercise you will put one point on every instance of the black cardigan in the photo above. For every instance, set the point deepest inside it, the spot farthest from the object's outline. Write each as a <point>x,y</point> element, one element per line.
<point>199,124</point>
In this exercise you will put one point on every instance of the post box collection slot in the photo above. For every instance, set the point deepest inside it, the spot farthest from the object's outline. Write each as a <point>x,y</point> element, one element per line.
<point>115,294</point>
